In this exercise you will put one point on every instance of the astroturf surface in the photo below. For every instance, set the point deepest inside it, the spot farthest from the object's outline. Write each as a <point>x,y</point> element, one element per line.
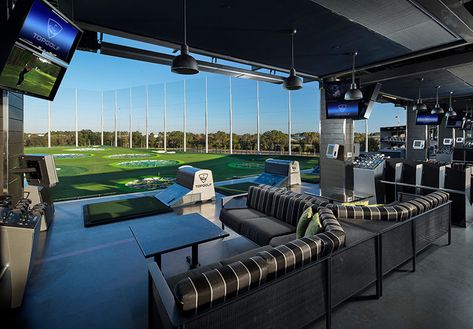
<point>114,211</point>
<point>98,175</point>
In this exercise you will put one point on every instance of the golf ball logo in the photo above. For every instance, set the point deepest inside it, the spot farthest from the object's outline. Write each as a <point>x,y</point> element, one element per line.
<point>203,177</point>
<point>54,28</point>
<point>342,107</point>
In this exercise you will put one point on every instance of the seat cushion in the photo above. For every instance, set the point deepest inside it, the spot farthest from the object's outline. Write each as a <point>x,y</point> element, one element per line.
<point>219,284</point>
<point>244,255</point>
<point>233,218</point>
<point>262,230</point>
<point>173,280</point>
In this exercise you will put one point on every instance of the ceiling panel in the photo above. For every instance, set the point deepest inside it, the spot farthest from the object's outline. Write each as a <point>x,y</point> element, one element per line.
<point>397,20</point>
<point>256,31</point>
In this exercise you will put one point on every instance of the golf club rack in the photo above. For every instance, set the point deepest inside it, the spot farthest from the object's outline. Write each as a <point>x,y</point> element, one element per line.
<point>19,235</point>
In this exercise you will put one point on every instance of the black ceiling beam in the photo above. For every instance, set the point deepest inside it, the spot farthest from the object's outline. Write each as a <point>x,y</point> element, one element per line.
<point>419,68</point>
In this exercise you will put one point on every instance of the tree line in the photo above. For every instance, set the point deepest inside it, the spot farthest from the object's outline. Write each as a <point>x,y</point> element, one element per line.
<point>272,140</point>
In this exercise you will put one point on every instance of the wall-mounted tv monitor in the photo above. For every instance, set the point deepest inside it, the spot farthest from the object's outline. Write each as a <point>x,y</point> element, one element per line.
<point>453,122</point>
<point>29,73</point>
<point>343,110</point>
<point>37,45</point>
<point>49,31</point>
<point>428,119</point>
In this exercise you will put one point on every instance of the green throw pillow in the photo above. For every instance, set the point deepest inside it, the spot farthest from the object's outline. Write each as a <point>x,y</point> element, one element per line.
<point>304,222</point>
<point>314,226</point>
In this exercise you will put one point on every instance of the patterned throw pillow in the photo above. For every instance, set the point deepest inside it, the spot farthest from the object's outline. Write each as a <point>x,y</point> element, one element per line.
<point>314,226</point>
<point>303,222</point>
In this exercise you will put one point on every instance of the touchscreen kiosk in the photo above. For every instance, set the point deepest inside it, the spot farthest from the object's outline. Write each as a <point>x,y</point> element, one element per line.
<point>447,141</point>
<point>418,144</point>
<point>332,151</point>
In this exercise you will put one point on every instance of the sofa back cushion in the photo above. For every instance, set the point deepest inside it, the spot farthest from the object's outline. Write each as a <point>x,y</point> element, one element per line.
<point>398,213</point>
<point>211,287</point>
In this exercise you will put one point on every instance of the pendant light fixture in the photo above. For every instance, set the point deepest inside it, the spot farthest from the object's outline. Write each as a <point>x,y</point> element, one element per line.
<point>420,106</point>
<point>292,82</point>
<point>184,63</point>
<point>437,109</point>
<point>353,94</point>
<point>451,112</point>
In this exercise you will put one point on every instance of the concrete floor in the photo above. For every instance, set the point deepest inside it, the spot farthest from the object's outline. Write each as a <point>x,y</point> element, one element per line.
<point>96,278</point>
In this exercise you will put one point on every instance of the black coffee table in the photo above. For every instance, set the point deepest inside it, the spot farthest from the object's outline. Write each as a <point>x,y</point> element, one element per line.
<point>172,233</point>
<point>340,195</point>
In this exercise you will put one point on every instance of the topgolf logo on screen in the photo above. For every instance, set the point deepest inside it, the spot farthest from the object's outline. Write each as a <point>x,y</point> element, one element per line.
<point>54,28</point>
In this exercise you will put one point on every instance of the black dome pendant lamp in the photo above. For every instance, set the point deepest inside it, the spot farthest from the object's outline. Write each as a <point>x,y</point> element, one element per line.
<point>184,63</point>
<point>420,106</point>
<point>353,94</point>
<point>451,112</point>
<point>437,109</point>
<point>292,82</point>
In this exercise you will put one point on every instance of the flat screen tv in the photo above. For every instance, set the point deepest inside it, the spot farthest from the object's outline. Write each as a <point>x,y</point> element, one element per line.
<point>343,110</point>
<point>467,125</point>
<point>27,72</point>
<point>454,122</point>
<point>428,119</point>
<point>37,45</point>
<point>48,30</point>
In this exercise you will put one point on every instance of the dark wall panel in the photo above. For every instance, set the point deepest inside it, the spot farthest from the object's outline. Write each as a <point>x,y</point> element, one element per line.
<point>415,132</point>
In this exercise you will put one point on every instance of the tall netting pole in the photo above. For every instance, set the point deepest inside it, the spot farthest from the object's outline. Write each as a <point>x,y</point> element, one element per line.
<point>101,123</point>
<point>257,118</point>
<point>165,109</point>
<point>206,117</point>
<point>77,120</point>
<point>130,134</point>
<point>185,118</point>
<point>366,135</point>
<point>116,119</point>
<point>146,118</point>
<point>230,113</point>
<point>49,124</point>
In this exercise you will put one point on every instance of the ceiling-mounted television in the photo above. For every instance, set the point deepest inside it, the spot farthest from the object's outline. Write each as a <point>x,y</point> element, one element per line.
<point>454,122</point>
<point>343,110</point>
<point>370,95</point>
<point>27,72</point>
<point>38,43</point>
<point>467,125</point>
<point>428,119</point>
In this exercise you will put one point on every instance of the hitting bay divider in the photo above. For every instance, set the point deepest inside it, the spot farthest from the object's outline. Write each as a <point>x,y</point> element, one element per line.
<point>192,185</point>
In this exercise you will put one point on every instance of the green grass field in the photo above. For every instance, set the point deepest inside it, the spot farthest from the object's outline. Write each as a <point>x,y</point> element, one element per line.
<point>36,82</point>
<point>99,175</point>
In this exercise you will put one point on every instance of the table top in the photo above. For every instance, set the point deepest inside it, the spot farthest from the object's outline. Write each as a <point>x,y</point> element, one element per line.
<point>174,232</point>
<point>341,195</point>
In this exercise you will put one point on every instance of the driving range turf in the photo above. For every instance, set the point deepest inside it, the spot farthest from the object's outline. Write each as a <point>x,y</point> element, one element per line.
<point>99,175</point>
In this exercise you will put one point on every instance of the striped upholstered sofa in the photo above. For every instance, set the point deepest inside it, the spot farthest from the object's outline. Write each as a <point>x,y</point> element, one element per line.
<point>268,287</point>
<point>270,215</point>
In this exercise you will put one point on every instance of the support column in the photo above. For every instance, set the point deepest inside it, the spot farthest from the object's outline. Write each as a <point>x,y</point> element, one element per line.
<point>185,118</point>
<point>116,119</point>
<point>49,124</point>
<point>130,133</point>
<point>230,113</point>
<point>206,117</point>
<point>101,123</point>
<point>366,136</point>
<point>257,118</point>
<point>415,132</point>
<point>165,105</point>
<point>77,121</point>
<point>289,123</point>
<point>334,172</point>
<point>146,119</point>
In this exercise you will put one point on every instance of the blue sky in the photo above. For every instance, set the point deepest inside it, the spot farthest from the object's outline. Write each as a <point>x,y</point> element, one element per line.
<point>93,73</point>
